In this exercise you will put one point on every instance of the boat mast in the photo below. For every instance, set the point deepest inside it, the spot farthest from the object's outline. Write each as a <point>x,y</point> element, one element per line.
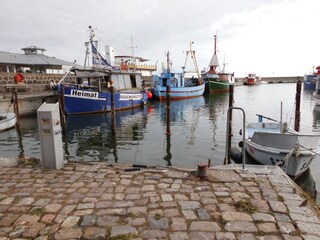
<point>214,63</point>
<point>168,62</point>
<point>193,57</point>
<point>133,56</point>
<point>88,44</point>
<point>215,45</point>
<point>168,65</point>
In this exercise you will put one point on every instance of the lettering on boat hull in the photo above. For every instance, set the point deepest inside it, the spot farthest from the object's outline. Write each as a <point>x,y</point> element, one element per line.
<point>126,97</point>
<point>84,94</point>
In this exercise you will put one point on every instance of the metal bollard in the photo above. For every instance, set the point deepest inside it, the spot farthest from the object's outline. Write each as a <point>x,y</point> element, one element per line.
<point>202,170</point>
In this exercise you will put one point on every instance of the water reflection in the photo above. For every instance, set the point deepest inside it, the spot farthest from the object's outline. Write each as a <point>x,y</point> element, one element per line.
<point>307,184</point>
<point>184,119</point>
<point>22,141</point>
<point>217,104</point>
<point>90,137</point>
<point>168,155</point>
<point>316,118</point>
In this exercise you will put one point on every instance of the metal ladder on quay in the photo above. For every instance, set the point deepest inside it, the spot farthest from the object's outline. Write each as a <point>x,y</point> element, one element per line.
<point>229,135</point>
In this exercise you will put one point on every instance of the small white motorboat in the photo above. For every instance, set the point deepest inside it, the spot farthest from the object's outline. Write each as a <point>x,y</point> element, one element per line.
<point>273,143</point>
<point>7,120</point>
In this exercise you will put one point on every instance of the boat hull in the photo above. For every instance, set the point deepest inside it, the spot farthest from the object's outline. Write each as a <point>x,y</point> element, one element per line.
<point>79,101</point>
<point>250,82</point>
<point>309,82</point>
<point>8,120</point>
<point>216,85</point>
<point>309,86</point>
<point>296,165</point>
<point>179,92</point>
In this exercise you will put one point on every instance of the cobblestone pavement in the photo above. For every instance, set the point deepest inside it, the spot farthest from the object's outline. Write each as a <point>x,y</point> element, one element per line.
<point>97,201</point>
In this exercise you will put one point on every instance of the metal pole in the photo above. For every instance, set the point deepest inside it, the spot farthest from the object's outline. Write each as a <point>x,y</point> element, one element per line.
<point>243,137</point>
<point>297,114</point>
<point>168,110</point>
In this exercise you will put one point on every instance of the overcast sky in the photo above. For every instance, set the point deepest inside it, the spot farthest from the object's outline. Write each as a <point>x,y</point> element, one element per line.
<point>266,37</point>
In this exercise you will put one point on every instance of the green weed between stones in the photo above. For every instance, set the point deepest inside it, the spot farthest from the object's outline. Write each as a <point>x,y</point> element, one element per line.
<point>245,206</point>
<point>37,211</point>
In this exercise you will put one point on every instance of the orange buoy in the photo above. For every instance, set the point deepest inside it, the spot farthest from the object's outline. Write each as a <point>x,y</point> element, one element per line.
<point>18,78</point>
<point>149,95</point>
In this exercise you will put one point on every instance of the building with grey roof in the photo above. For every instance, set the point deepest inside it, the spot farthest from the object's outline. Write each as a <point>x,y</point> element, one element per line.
<point>33,60</point>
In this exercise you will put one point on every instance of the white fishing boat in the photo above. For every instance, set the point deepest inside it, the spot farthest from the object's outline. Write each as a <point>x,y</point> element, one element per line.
<point>7,120</point>
<point>274,143</point>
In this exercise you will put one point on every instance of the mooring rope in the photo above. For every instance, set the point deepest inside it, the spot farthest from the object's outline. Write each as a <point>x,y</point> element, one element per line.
<point>309,149</point>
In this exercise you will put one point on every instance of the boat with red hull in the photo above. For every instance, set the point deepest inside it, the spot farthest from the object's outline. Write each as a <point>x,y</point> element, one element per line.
<point>251,79</point>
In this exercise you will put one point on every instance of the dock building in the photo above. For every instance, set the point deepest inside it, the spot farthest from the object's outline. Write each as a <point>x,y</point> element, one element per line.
<point>33,60</point>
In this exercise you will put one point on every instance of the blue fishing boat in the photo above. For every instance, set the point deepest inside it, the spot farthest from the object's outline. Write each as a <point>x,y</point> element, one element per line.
<point>309,80</point>
<point>101,87</point>
<point>181,87</point>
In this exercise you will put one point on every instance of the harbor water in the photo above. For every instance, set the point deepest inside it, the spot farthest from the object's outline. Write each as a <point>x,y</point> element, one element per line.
<point>198,130</point>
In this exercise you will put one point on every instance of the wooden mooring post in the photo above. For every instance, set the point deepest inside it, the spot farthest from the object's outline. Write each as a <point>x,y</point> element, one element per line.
<point>231,89</point>
<point>297,112</point>
<point>15,102</point>
<point>113,111</point>
<point>168,132</point>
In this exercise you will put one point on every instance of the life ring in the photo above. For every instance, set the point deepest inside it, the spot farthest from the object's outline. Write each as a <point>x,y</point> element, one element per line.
<point>173,81</point>
<point>156,84</point>
<point>18,78</point>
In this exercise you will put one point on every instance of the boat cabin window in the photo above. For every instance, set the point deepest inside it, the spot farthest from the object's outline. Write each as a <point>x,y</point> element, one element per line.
<point>164,81</point>
<point>103,83</point>
<point>133,81</point>
<point>84,81</point>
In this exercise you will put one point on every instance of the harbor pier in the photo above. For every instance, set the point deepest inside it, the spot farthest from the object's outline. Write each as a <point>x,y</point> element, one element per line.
<point>289,79</point>
<point>286,79</point>
<point>103,201</point>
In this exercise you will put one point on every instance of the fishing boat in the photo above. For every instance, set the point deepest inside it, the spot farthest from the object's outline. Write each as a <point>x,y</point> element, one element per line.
<point>216,81</point>
<point>309,80</point>
<point>7,120</point>
<point>101,87</point>
<point>274,143</point>
<point>181,86</point>
<point>251,79</point>
<point>316,93</point>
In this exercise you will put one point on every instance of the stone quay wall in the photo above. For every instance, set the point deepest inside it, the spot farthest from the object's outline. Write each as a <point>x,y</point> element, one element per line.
<point>32,82</point>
